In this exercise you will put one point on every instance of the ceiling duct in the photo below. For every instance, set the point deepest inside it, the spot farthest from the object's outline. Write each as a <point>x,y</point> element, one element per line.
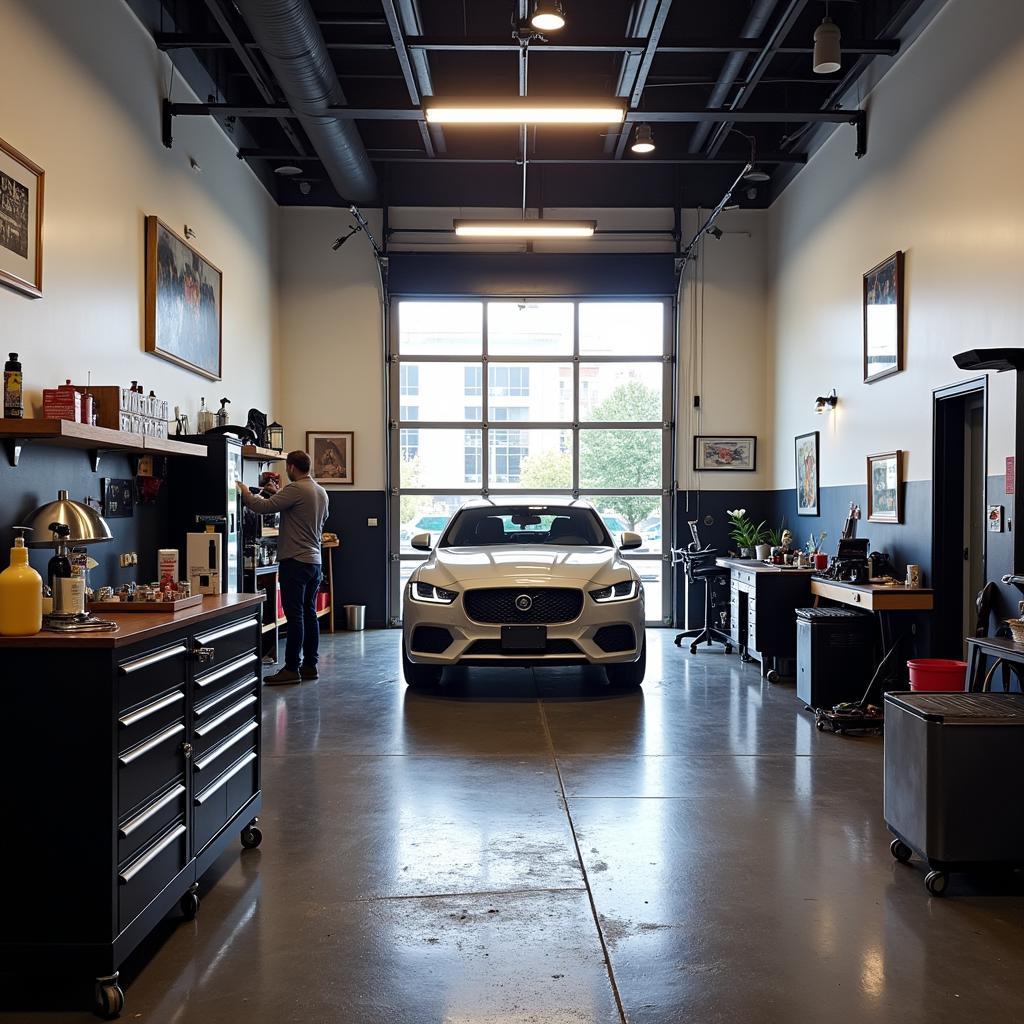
<point>292,44</point>
<point>752,29</point>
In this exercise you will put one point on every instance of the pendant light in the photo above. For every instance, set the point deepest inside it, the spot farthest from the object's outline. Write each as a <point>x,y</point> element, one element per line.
<point>828,53</point>
<point>548,16</point>
<point>756,175</point>
<point>643,139</point>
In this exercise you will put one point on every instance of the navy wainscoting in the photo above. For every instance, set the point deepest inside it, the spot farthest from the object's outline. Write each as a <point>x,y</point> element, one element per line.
<point>361,563</point>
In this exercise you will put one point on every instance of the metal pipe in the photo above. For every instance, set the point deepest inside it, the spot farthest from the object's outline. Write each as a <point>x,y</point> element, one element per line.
<point>710,222</point>
<point>293,46</point>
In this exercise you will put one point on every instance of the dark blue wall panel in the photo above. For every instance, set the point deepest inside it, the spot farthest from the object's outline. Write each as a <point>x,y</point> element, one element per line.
<point>360,564</point>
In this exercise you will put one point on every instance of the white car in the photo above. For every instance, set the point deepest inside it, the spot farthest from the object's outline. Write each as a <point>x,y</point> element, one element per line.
<point>531,581</point>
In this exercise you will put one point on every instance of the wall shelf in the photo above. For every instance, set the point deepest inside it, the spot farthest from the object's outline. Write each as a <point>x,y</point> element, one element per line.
<point>95,440</point>
<point>257,454</point>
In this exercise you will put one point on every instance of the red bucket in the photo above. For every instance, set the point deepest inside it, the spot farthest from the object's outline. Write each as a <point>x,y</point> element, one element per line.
<point>937,675</point>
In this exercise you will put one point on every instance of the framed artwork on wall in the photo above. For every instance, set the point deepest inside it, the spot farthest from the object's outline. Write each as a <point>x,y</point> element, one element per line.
<point>184,315</point>
<point>736,453</point>
<point>807,490</point>
<point>883,319</point>
<point>885,481</point>
<point>21,222</point>
<point>332,456</point>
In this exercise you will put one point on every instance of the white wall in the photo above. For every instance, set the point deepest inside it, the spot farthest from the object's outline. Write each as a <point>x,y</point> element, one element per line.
<point>942,182</point>
<point>80,92</point>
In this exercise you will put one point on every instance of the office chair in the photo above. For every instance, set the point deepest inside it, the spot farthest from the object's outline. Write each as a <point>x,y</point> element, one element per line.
<point>699,564</point>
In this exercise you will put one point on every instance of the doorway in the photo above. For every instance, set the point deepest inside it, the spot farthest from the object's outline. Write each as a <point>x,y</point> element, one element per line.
<point>959,475</point>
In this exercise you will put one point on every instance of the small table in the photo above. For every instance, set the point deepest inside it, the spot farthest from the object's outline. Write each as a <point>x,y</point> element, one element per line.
<point>329,547</point>
<point>1006,653</point>
<point>874,597</point>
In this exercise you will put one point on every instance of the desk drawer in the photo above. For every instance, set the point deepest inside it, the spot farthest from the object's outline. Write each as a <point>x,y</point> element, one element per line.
<point>149,766</point>
<point>149,819</point>
<point>218,797</point>
<point>141,878</point>
<point>139,723</point>
<point>744,577</point>
<point>144,676</point>
<point>227,642</point>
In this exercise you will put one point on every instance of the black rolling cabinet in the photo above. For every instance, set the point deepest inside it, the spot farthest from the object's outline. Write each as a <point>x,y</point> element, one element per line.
<point>139,757</point>
<point>833,655</point>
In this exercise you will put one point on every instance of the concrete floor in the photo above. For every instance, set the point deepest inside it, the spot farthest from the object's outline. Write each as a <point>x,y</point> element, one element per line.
<point>531,847</point>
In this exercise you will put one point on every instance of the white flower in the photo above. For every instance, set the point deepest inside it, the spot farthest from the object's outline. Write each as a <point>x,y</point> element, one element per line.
<point>736,512</point>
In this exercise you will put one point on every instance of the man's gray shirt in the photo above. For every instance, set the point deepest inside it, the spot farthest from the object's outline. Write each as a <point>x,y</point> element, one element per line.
<point>303,504</point>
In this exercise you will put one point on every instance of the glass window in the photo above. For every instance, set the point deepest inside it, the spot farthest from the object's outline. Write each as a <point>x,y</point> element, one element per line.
<point>544,390</point>
<point>621,392</point>
<point>620,458</point>
<point>540,524</point>
<point>440,328</point>
<point>473,462</point>
<point>504,413</point>
<point>440,459</point>
<point>409,442</point>
<point>434,385</point>
<point>635,513</point>
<point>473,379</point>
<point>408,380</point>
<point>473,412</point>
<point>529,328</point>
<point>425,513</point>
<point>508,381</point>
<point>622,328</point>
<point>530,459</point>
<point>409,412</point>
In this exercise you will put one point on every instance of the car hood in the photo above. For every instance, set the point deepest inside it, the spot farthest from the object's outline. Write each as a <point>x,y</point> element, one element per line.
<point>526,565</point>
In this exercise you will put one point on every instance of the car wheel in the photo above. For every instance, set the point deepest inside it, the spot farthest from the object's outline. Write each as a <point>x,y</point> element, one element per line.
<point>419,675</point>
<point>630,675</point>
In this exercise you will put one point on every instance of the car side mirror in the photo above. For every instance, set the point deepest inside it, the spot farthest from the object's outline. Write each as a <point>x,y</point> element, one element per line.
<point>631,541</point>
<point>421,542</point>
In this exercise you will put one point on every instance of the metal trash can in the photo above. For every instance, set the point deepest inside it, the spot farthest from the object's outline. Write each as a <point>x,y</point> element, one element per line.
<point>355,616</point>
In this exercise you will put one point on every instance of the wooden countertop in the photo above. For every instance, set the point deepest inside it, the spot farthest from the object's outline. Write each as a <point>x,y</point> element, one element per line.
<point>875,597</point>
<point>136,626</point>
<point>753,565</point>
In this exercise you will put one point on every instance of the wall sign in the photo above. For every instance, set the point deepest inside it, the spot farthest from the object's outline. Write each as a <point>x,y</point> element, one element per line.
<point>995,519</point>
<point>1011,473</point>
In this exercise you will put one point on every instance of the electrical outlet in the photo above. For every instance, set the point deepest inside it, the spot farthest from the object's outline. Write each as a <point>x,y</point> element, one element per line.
<point>372,521</point>
<point>134,558</point>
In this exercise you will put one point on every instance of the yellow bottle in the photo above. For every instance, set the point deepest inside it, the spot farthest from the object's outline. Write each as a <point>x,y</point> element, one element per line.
<point>21,595</point>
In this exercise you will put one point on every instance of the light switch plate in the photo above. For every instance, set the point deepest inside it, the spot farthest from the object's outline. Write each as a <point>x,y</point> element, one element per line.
<point>372,521</point>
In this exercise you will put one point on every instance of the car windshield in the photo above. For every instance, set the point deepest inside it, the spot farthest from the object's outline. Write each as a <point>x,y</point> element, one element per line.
<point>521,524</point>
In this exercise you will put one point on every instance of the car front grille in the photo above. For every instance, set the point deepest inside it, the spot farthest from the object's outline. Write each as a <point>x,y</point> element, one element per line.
<point>612,639</point>
<point>493,647</point>
<point>547,605</point>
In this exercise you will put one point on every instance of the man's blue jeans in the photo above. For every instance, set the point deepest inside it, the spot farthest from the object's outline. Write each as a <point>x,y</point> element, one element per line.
<point>300,582</point>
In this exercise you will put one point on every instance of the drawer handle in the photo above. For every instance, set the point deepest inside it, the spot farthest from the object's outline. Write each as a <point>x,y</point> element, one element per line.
<point>152,659</point>
<point>201,709</point>
<point>151,854</point>
<point>144,748</point>
<point>202,730</point>
<point>150,709</point>
<point>219,634</point>
<point>140,819</point>
<point>233,666</point>
<point>217,751</point>
<point>229,774</point>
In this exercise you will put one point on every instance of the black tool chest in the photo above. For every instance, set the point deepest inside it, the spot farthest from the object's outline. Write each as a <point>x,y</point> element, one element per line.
<point>134,767</point>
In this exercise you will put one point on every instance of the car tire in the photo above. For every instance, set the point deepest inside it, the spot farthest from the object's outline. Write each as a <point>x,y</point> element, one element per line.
<point>631,675</point>
<point>419,675</point>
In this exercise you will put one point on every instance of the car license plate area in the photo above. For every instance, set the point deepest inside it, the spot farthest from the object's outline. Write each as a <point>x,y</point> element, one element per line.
<point>524,638</point>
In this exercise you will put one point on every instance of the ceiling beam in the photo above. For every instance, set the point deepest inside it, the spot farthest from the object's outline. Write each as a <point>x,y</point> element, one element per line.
<point>642,17</point>
<point>381,156</point>
<point>644,69</point>
<point>405,63</point>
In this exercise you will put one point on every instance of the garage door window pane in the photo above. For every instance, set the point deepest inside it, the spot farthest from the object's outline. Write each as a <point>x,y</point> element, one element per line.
<point>425,513</point>
<point>445,458</point>
<point>637,513</point>
<point>530,459</point>
<point>621,392</point>
<point>440,328</point>
<point>443,391</point>
<point>529,328</point>
<point>622,328</point>
<point>620,458</point>
<point>541,392</point>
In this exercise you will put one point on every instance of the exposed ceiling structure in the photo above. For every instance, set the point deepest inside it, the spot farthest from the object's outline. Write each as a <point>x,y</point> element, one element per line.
<point>335,90</point>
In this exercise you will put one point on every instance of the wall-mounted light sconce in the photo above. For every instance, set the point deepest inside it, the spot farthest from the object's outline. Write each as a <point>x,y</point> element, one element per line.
<point>821,403</point>
<point>189,232</point>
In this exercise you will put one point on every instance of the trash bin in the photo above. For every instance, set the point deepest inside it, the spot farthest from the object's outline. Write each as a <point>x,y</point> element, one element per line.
<point>355,616</point>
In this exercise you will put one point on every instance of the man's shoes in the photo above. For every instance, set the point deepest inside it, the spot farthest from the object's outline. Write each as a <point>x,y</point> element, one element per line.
<point>308,672</point>
<point>286,675</point>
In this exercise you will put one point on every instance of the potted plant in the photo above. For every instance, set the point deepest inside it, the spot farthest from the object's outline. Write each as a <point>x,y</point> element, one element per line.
<point>744,532</point>
<point>779,540</point>
<point>819,558</point>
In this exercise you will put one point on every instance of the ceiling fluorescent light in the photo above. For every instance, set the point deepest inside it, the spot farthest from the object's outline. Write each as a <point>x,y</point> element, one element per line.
<point>525,228</point>
<point>548,16</point>
<point>525,112</point>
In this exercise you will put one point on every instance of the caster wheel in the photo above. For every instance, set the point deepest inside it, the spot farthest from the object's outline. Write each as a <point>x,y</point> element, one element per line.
<point>728,648</point>
<point>900,850</point>
<point>820,726</point>
<point>252,836</point>
<point>772,676</point>
<point>678,641</point>
<point>189,905</point>
<point>109,1000</point>
<point>693,648</point>
<point>935,882</point>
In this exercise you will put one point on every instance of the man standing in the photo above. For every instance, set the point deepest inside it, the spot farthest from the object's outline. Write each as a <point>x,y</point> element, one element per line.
<point>303,507</point>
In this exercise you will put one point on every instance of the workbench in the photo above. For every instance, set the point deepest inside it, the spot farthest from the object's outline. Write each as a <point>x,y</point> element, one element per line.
<point>874,597</point>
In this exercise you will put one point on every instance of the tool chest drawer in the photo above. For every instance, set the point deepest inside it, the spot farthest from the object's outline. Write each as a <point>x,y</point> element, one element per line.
<point>222,721</point>
<point>143,676</point>
<point>209,683</point>
<point>139,723</point>
<point>217,796</point>
<point>150,818</point>
<point>148,766</point>
<point>216,647</point>
<point>142,876</point>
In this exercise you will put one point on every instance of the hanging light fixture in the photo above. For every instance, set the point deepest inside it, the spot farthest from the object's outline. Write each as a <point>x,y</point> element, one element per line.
<point>643,139</point>
<point>757,176</point>
<point>828,53</point>
<point>548,16</point>
<point>525,228</point>
<point>523,111</point>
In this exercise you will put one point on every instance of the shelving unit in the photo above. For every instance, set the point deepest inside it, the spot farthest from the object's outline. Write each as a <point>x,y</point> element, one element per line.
<point>95,440</point>
<point>256,454</point>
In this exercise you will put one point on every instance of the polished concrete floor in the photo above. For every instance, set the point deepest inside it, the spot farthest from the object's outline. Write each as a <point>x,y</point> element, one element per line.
<point>523,846</point>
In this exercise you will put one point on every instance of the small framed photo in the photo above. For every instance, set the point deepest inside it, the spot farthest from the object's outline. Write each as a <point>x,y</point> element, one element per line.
<point>807,489</point>
<point>885,481</point>
<point>21,222</point>
<point>883,319</point>
<point>732,452</point>
<point>331,455</point>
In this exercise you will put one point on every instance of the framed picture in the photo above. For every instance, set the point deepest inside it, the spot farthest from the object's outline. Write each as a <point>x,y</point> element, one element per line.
<point>331,453</point>
<point>728,451</point>
<point>885,481</point>
<point>807,492</point>
<point>883,319</point>
<point>183,302</point>
<point>21,222</point>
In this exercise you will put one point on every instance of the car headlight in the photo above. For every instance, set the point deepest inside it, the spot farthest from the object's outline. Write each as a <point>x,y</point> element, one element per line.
<point>429,594</point>
<point>624,591</point>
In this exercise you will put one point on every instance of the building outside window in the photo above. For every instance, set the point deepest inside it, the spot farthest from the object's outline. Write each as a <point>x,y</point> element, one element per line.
<point>408,380</point>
